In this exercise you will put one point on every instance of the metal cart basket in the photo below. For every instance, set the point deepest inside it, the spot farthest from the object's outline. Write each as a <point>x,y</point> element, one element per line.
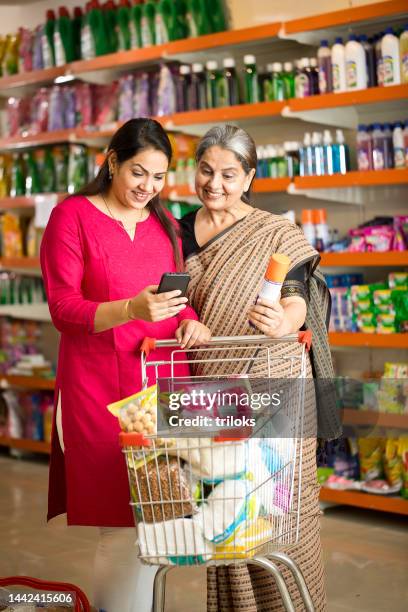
<point>222,498</point>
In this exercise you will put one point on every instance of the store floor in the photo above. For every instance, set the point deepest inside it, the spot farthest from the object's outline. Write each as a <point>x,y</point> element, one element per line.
<point>366,553</point>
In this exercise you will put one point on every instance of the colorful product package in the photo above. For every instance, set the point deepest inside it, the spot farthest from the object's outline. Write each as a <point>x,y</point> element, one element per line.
<point>106,104</point>
<point>141,99</point>
<point>403,453</point>
<point>11,236</point>
<point>84,105</point>
<point>39,111</point>
<point>393,463</point>
<point>126,92</point>
<point>137,413</point>
<point>398,280</point>
<point>370,452</point>
<point>25,50</point>
<point>55,113</point>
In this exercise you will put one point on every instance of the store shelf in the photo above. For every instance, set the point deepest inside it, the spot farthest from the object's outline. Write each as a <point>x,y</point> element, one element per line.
<point>384,503</point>
<point>269,185</point>
<point>36,383</point>
<point>33,446</point>
<point>8,203</point>
<point>351,416</point>
<point>351,260</point>
<point>34,77</point>
<point>31,312</point>
<point>358,339</point>
<point>17,263</point>
<point>371,178</point>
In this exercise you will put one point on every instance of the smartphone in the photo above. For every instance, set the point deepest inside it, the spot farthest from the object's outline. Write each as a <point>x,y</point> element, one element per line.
<point>170,281</point>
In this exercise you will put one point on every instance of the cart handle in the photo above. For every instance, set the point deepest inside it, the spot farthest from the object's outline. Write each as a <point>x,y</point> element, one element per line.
<point>304,337</point>
<point>81,601</point>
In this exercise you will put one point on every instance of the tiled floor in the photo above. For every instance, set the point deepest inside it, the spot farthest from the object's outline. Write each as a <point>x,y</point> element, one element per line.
<point>366,553</point>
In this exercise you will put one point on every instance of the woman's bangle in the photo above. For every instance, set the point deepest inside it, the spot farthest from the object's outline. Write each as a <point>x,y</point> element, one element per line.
<point>127,310</point>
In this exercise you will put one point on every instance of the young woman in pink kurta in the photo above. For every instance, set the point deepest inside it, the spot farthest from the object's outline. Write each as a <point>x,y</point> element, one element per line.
<point>102,257</point>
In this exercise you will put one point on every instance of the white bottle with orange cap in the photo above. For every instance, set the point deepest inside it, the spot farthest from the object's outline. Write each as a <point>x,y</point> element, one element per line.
<point>275,274</point>
<point>321,229</point>
<point>308,226</point>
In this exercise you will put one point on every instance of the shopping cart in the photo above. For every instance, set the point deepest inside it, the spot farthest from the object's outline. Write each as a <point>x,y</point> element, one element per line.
<point>225,498</point>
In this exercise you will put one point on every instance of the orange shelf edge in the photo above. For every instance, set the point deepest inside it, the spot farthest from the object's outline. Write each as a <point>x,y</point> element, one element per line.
<point>31,78</point>
<point>347,259</point>
<point>34,446</point>
<point>19,262</point>
<point>359,339</point>
<point>370,95</point>
<point>351,416</point>
<point>354,179</point>
<point>346,16</point>
<point>384,503</point>
<point>268,185</point>
<point>36,383</point>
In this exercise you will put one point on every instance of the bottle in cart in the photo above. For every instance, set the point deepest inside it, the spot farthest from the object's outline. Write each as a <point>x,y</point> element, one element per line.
<point>338,60</point>
<point>390,51</point>
<point>251,80</point>
<point>364,149</point>
<point>325,67</point>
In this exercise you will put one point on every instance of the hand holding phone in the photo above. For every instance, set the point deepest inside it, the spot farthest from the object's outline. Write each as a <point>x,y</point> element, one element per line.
<point>170,281</point>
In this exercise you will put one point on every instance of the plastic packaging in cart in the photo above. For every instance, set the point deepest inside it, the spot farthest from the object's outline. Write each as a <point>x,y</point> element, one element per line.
<point>245,541</point>
<point>138,412</point>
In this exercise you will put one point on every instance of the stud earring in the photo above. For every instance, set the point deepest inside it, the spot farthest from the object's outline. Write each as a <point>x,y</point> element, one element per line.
<point>110,173</point>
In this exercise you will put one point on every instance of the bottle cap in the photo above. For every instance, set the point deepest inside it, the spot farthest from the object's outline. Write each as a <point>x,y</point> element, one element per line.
<point>269,67</point>
<point>324,43</point>
<point>307,216</point>
<point>278,267</point>
<point>389,30</point>
<point>228,62</point>
<point>377,126</point>
<point>361,127</point>
<point>338,40</point>
<point>339,137</point>
<point>198,67</point>
<point>319,216</point>
<point>63,11</point>
<point>212,65</point>
<point>352,37</point>
<point>304,62</point>
<point>276,67</point>
<point>249,59</point>
<point>363,38</point>
<point>77,12</point>
<point>184,69</point>
<point>50,15</point>
<point>288,66</point>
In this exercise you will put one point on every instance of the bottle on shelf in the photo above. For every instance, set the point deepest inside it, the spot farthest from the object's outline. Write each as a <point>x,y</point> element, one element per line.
<point>325,67</point>
<point>212,78</point>
<point>364,149</point>
<point>390,51</point>
<point>4,183</point>
<point>292,158</point>
<point>388,146</point>
<point>260,166</point>
<point>341,154</point>
<point>183,83</point>
<point>277,81</point>
<point>165,22</point>
<point>135,25</point>
<point>32,176</point>
<point>266,84</point>
<point>338,59</point>
<point>403,42</point>
<point>379,59</point>
<point>251,80</point>
<point>370,60</point>
<point>306,156</point>
<point>398,145</point>
<point>48,50</point>
<point>98,28</point>
<point>63,38</point>
<point>313,73</point>
<point>147,24</point>
<point>356,69</point>
<point>123,25</point>
<point>230,81</point>
<point>216,14</point>
<point>197,18</point>
<point>308,226</point>
<point>271,161</point>
<point>288,81</point>
<point>327,153</point>
<point>17,181</point>
<point>76,31</point>
<point>303,87</point>
<point>378,147</point>
<point>405,136</point>
<point>198,89</point>
<point>317,154</point>
<point>322,235</point>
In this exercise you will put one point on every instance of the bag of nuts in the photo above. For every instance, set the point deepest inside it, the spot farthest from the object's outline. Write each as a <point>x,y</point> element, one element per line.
<point>137,413</point>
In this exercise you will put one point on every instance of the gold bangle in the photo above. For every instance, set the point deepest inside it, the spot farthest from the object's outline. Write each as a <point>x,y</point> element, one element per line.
<point>129,316</point>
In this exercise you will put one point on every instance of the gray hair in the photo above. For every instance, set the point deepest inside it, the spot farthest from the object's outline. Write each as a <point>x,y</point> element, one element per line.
<point>234,139</point>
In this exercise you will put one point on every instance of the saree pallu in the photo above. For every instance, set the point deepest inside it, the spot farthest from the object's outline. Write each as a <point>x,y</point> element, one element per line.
<point>226,275</point>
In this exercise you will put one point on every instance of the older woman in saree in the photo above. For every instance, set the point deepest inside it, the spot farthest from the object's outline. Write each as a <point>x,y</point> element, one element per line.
<point>227,245</point>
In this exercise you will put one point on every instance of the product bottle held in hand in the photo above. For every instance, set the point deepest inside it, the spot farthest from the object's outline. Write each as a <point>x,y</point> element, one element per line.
<point>338,59</point>
<point>356,68</point>
<point>275,274</point>
<point>390,51</point>
<point>251,80</point>
<point>324,63</point>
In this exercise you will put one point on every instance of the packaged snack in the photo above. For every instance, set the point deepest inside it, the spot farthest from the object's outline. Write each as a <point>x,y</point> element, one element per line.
<point>60,155</point>
<point>141,99</point>
<point>403,453</point>
<point>382,296</point>
<point>106,104</point>
<point>83,105</point>
<point>360,293</point>
<point>25,51</point>
<point>137,413</point>
<point>395,370</point>
<point>386,324</point>
<point>397,280</point>
<point>161,490</point>
<point>392,463</point>
<point>370,452</point>
<point>11,236</point>
<point>126,91</point>
<point>246,540</point>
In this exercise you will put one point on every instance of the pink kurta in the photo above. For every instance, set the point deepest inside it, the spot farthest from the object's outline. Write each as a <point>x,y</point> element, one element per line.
<point>88,258</point>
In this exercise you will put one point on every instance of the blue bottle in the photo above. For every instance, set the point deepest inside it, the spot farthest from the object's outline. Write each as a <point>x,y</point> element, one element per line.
<point>327,152</point>
<point>306,156</point>
<point>341,154</point>
<point>317,155</point>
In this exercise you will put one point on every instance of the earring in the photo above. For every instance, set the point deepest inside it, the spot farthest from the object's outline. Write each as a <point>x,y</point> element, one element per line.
<point>110,173</point>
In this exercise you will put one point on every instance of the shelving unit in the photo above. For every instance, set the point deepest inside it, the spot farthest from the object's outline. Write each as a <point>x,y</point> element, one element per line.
<point>33,446</point>
<point>358,339</point>
<point>384,503</point>
<point>355,260</point>
<point>35,383</point>
<point>19,263</point>
<point>351,416</point>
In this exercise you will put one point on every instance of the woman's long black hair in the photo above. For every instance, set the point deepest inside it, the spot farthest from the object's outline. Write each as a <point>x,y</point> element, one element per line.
<point>135,136</point>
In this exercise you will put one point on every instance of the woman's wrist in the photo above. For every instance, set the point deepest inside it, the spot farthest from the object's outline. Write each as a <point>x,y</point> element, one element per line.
<point>130,310</point>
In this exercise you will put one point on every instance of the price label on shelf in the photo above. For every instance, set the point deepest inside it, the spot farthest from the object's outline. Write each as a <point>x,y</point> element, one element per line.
<point>43,206</point>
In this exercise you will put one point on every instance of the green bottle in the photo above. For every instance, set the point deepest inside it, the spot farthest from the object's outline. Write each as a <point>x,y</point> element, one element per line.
<point>60,154</point>
<point>88,49</point>
<point>77,167</point>
<point>277,81</point>
<point>165,21</point>
<point>47,41</point>
<point>180,25</point>
<point>110,15</point>
<point>76,31</point>
<point>147,24</point>
<point>216,13</point>
<point>251,80</point>
<point>32,178</point>
<point>4,187</point>
<point>63,38</point>
<point>212,81</point>
<point>135,25</point>
<point>197,18</point>
<point>96,22</point>
<point>267,84</point>
<point>288,80</point>
<point>46,168</point>
<point>17,180</point>
<point>123,15</point>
